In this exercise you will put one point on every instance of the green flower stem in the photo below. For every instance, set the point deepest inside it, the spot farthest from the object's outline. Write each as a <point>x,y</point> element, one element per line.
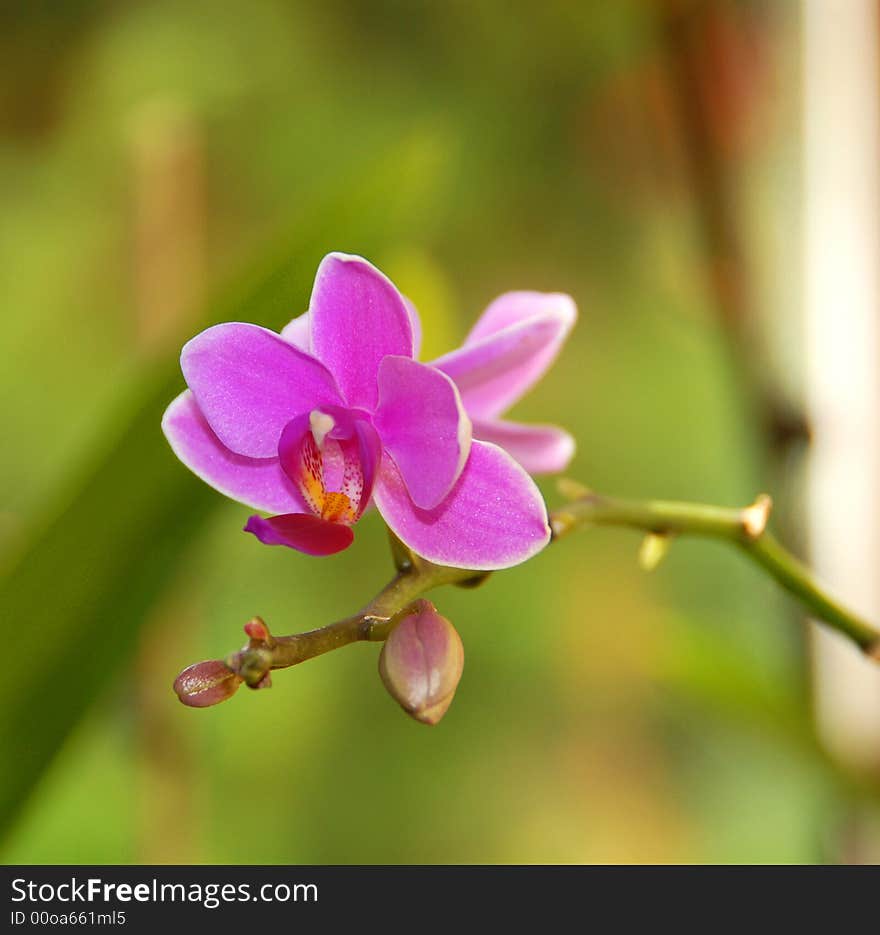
<point>798,580</point>
<point>744,528</point>
<point>373,623</point>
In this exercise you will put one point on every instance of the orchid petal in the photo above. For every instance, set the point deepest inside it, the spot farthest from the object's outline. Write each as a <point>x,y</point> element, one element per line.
<point>249,383</point>
<point>494,517</point>
<point>513,308</point>
<point>258,482</point>
<point>540,449</point>
<point>370,449</point>
<point>357,318</point>
<point>416,325</point>
<point>423,426</point>
<point>510,348</point>
<point>303,532</point>
<point>298,332</point>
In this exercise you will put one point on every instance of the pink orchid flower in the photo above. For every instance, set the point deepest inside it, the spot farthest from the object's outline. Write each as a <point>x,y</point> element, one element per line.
<point>335,413</point>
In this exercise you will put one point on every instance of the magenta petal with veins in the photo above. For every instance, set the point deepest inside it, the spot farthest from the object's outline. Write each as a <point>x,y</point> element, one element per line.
<point>335,414</point>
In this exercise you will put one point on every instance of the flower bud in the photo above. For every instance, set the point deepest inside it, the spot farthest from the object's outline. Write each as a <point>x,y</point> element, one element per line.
<point>256,629</point>
<point>206,683</point>
<point>421,663</point>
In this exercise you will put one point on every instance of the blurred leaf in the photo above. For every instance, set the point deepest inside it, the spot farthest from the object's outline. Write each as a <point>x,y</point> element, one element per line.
<point>80,581</point>
<point>717,677</point>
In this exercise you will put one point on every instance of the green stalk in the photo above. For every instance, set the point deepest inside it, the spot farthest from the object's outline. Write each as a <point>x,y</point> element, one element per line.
<point>744,528</point>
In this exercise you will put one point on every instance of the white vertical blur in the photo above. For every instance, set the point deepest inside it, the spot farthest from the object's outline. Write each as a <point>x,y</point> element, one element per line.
<point>842,296</point>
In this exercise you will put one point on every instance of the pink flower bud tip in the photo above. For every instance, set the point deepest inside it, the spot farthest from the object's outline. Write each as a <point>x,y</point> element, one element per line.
<point>256,629</point>
<point>421,663</point>
<point>206,683</point>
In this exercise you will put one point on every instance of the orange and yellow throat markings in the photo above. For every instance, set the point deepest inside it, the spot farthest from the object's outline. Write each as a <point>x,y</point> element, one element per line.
<point>336,506</point>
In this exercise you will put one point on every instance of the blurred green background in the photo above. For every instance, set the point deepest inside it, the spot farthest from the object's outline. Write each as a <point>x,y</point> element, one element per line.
<point>165,165</point>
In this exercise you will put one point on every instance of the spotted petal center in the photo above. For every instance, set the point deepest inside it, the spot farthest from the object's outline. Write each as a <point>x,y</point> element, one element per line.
<point>323,454</point>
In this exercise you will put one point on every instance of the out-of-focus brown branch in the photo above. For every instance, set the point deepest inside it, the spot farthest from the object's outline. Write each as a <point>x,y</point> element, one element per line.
<point>714,87</point>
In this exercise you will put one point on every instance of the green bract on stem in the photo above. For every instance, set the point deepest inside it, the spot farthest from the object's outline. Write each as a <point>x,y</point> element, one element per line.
<point>660,520</point>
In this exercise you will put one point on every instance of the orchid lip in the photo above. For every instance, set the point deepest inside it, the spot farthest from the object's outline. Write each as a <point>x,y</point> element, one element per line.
<point>322,453</point>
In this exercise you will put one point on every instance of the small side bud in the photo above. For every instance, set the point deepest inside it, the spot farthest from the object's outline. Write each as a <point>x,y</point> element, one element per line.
<point>256,629</point>
<point>654,548</point>
<point>754,517</point>
<point>421,663</point>
<point>206,683</point>
<point>252,664</point>
<point>265,682</point>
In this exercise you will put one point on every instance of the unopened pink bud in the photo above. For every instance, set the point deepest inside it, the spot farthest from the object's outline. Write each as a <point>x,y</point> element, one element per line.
<point>206,683</point>
<point>421,663</point>
<point>256,629</point>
